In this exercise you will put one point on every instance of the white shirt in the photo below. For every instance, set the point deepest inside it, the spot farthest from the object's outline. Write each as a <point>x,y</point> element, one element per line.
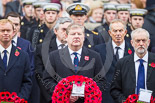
<point>121,50</point>
<point>8,52</point>
<point>59,43</point>
<point>15,40</point>
<point>73,56</point>
<point>145,63</point>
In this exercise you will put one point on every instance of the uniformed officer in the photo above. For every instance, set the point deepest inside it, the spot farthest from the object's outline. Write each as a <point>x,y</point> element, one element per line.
<point>78,13</point>
<point>28,20</point>
<point>110,14</point>
<point>51,12</point>
<point>38,11</point>
<point>124,15</point>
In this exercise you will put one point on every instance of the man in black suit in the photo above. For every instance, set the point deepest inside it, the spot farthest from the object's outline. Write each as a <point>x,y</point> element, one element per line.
<point>57,41</point>
<point>66,64</point>
<point>15,71</point>
<point>110,54</point>
<point>134,71</point>
<point>24,45</point>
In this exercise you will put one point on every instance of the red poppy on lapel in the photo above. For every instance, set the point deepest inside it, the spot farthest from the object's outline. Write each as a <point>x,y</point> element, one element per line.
<point>129,51</point>
<point>86,58</point>
<point>152,65</point>
<point>19,48</point>
<point>17,52</point>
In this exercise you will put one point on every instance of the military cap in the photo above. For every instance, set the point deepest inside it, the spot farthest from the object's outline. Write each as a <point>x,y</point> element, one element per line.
<point>39,4</point>
<point>123,7</point>
<point>77,8</point>
<point>28,2</point>
<point>51,7</point>
<point>137,12</point>
<point>109,6</point>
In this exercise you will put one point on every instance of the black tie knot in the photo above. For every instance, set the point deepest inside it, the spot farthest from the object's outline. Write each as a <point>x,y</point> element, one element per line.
<point>62,45</point>
<point>117,47</point>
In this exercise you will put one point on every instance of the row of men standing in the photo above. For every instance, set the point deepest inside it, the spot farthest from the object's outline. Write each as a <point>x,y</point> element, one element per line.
<point>51,42</point>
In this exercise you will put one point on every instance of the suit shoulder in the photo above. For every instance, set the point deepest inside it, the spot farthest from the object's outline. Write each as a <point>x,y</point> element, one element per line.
<point>126,58</point>
<point>152,55</point>
<point>92,52</point>
<point>24,40</point>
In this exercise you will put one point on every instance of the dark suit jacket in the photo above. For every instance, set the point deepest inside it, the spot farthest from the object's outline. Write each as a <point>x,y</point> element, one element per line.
<point>17,76</point>
<point>60,66</point>
<point>25,45</point>
<point>125,78</point>
<point>107,55</point>
<point>41,56</point>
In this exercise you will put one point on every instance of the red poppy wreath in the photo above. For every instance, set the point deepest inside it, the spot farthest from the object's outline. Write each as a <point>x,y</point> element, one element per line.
<point>63,89</point>
<point>134,99</point>
<point>7,97</point>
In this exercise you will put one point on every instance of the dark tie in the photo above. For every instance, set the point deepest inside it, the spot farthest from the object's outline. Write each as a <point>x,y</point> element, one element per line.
<point>141,76</point>
<point>5,58</point>
<point>62,45</point>
<point>76,61</point>
<point>117,55</point>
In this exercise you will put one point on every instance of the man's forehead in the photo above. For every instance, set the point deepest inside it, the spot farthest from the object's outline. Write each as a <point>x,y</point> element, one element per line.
<point>139,36</point>
<point>110,11</point>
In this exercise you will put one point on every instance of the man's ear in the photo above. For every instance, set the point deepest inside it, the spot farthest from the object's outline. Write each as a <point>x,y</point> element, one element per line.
<point>130,19</point>
<point>109,32</point>
<point>131,41</point>
<point>55,31</point>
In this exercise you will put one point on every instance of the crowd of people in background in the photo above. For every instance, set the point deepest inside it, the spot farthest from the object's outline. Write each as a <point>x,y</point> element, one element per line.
<point>42,40</point>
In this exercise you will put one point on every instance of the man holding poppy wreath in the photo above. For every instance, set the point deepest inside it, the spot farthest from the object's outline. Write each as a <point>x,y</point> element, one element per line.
<point>75,59</point>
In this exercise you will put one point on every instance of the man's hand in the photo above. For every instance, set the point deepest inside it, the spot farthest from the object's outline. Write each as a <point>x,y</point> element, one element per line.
<point>73,99</point>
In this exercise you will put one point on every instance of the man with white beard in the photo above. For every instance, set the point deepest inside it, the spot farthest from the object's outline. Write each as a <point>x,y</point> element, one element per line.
<point>135,71</point>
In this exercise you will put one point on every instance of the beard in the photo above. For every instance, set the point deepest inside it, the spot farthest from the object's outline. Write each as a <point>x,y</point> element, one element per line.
<point>141,50</point>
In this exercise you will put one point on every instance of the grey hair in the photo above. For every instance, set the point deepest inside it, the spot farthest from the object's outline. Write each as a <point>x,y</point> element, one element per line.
<point>117,21</point>
<point>62,20</point>
<point>73,25</point>
<point>139,30</point>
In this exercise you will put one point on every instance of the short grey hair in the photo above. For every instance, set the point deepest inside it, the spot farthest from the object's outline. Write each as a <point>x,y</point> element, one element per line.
<point>139,30</point>
<point>62,20</point>
<point>117,21</point>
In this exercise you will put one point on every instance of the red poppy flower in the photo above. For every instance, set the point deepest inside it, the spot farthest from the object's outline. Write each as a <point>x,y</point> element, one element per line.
<point>152,65</point>
<point>129,51</point>
<point>86,58</point>
<point>17,52</point>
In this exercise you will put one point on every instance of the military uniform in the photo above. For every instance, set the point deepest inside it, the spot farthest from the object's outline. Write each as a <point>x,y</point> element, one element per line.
<point>26,27</point>
<point>92,38</point>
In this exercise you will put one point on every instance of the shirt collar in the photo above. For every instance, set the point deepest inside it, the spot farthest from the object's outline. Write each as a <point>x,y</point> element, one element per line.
<point>8,49</point>
<point>122,46</point>
<point>59,43</point>
<point>71,51</point>
<point>15,39</point>
<point>145,58</point>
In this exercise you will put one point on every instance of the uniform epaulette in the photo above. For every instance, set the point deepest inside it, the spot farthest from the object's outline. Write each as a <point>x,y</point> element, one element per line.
<point>94,32</point>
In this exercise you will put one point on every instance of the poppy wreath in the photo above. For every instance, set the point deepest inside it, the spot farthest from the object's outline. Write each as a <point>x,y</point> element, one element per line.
<point>134,97</point>
<point>63,89</point>
<point>7,97</point>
